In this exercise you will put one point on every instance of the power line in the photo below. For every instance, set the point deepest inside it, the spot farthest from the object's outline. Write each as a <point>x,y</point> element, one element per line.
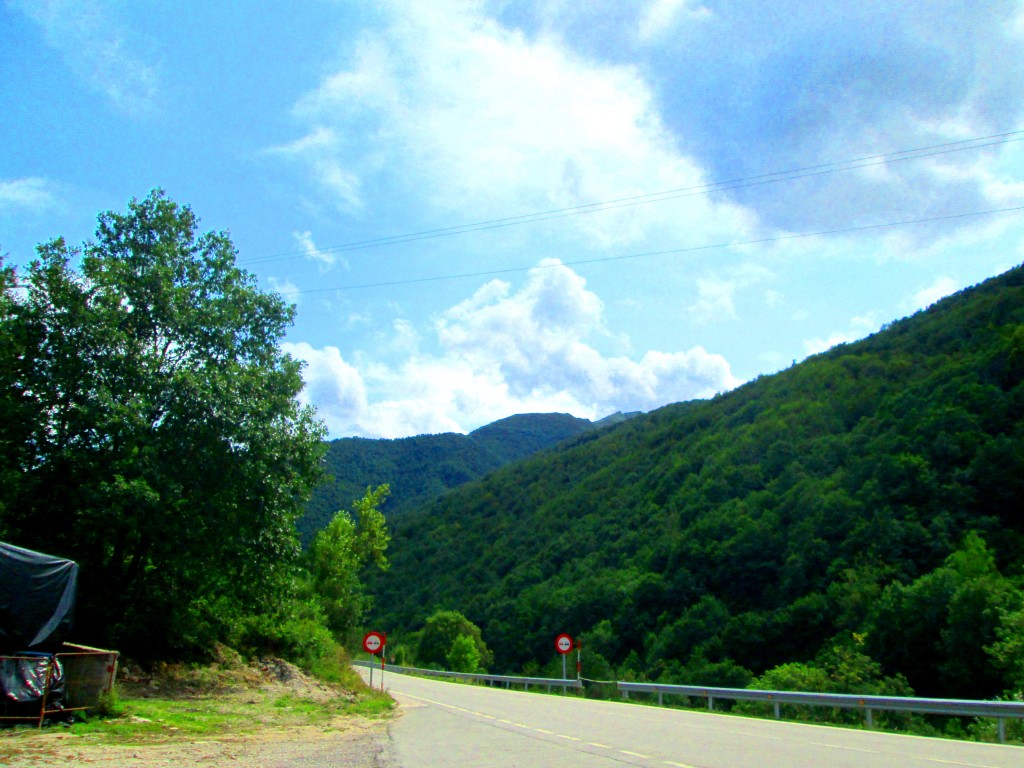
<point>671,194</point>
<point>670,251</point>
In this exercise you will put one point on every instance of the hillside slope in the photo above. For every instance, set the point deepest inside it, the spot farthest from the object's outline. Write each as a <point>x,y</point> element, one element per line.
<point>421,468</point>
<point>829,505</point>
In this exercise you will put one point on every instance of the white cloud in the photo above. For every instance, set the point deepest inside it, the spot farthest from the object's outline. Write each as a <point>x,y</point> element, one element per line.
<point>31,193</point>
<point>943,286</point>
<point>661,15</point>
<point>716,299</point>
<point>326,259</point>
<point>716,294</point>
<point>94,45</point>
<point>483,121</point>
<point>859,328</point>
<point>319,150</point>
<point>505,352</point>
<point>288,290</point>
<point>333,386</point>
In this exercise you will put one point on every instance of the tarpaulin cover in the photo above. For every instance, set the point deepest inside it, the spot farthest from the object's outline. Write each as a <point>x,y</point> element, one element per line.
<point>37,600</point>
<point>29,678</point>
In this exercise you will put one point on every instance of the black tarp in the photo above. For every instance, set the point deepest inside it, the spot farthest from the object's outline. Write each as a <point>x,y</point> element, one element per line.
<point>37,600</point>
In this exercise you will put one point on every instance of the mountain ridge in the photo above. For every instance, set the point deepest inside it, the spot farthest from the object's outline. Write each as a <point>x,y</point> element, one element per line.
<point>832,503</point>
<point>422,467</point>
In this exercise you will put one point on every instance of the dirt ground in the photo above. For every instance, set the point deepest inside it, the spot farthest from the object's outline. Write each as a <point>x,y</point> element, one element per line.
<point>357,744</point>
<point>342,740</point>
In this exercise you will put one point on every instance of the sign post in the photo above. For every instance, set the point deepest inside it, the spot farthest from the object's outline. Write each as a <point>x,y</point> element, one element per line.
<point>374,643</point>
<point>563,644</point>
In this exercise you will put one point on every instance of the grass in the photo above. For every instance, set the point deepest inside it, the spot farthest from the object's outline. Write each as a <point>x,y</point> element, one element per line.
<point>216,700</point>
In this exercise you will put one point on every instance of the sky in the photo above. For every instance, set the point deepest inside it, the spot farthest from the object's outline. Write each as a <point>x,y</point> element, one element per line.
<point>488,208</point>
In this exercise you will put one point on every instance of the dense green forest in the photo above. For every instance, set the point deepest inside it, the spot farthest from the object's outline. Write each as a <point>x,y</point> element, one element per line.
<point>419,469</point>
<point>861,512</point>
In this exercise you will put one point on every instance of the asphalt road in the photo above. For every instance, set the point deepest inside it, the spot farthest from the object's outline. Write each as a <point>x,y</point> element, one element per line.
<point>447,724</point>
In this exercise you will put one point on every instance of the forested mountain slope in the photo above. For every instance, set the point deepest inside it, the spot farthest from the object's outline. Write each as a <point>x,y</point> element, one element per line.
<point>870,498</point>
<point>421,468</point>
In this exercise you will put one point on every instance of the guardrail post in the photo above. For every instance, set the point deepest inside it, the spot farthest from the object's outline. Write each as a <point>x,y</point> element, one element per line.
<point>660,698</point>
<point>778,710</point>
<point>869,717</point>
<point>625,694</point>
<point>711,703</point>
<point>1001,726</point>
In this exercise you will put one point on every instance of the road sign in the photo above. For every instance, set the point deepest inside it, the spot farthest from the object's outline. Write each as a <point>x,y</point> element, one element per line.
<point>563,644</point>
<point>374,641</point>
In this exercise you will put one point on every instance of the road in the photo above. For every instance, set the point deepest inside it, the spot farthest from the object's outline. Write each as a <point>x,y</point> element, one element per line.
<point>448,724</point>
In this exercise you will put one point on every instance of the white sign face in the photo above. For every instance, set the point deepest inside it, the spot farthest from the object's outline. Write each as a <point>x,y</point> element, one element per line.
<point>372,642</point>
<point>563,643</point>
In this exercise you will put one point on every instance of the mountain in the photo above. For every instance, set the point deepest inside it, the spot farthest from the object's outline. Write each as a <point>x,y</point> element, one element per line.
<point>865,505</point>
<point>421,468</point>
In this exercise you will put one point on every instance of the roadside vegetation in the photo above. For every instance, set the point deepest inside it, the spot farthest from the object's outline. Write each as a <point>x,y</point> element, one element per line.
<point>172,709</point>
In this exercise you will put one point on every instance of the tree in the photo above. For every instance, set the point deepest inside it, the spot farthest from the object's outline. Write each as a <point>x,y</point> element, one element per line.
<point>17,413</point>
<point>942,629</point>
<point>463,656</point>
<point>438,638</point>
<point>340,552</point>
<point>167,451</point>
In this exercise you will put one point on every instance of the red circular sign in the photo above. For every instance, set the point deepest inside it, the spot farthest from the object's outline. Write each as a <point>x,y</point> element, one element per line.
<point>374,641</point>
<point>563,643</point>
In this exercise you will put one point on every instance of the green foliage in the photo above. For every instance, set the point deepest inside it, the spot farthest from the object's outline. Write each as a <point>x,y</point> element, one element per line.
<point>1008,650</point>
<point>419,469</point>
<point>151,429</point>
<point>439,636</point>
<point>841,668</point>
<point>729,537</point>
<point>110,704</point>
<point>340,552</point>
<point>944,625</point>
<point>463,656</point>
<point>295,631</point>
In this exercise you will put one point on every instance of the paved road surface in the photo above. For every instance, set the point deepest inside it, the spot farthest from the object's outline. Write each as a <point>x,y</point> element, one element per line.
<point>447,724</point>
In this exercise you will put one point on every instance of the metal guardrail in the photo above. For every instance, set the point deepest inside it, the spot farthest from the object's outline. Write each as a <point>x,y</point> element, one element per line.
<point>508,680</point>
<point>1001,710</point>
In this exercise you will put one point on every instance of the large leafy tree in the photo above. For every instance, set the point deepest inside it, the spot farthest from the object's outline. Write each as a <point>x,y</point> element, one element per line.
<point>163,446</point>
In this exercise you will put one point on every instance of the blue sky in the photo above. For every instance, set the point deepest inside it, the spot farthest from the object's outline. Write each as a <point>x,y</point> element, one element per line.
<point>320,134</point>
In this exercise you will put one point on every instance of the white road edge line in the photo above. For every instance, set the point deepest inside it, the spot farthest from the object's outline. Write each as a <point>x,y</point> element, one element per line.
<point>849,749</point>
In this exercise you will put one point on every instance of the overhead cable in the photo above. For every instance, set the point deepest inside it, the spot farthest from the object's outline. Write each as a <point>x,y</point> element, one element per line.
<point>670,194</point>
<point>687,249</point>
